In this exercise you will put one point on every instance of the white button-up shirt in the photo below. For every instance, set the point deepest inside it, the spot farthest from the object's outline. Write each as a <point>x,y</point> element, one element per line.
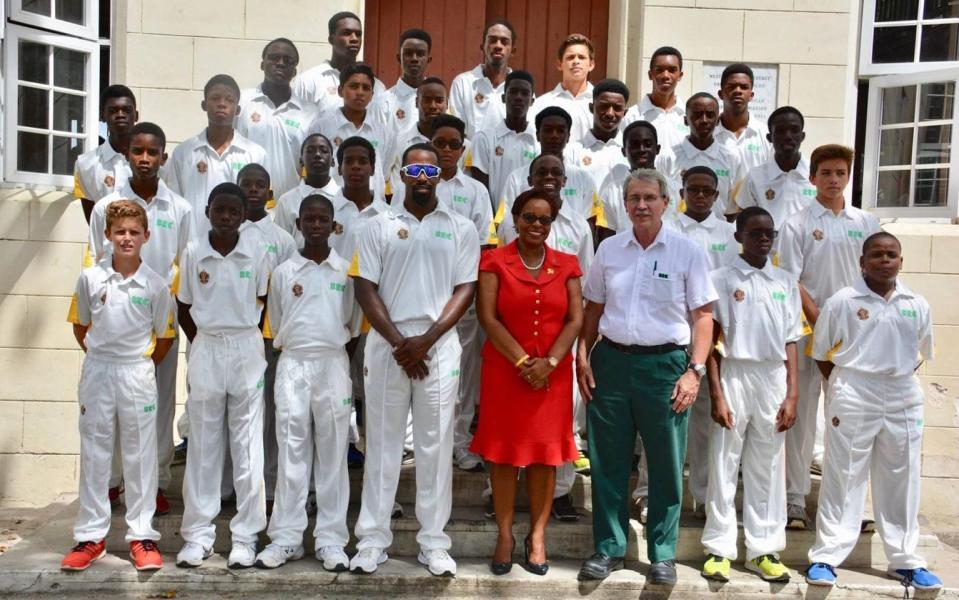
<point>319,85</point>
<point>97,172</point>
<point>576,106</point>
<point>719,158</point>
<point>579,193</point>
<point>782,194</point>
<point>287,209</point>
<point>752,146</point>
<point>311,307</point>
<point>759,310</point>
<point>822,249</point>
<point>169,218</point>
<point>474,99</point>
<point>714,235</point>
<point>195,169</point>
<point>125,316</point>
<point>611,196</point>
<point>280,130</point>
<point>569,233</point>
<point>499,151</point>
<point>336,127</point>
<point>860,330</point>
<point>223,290</point>
<point>670,124</point>
<point>648,293</point>
<point>416,264</point>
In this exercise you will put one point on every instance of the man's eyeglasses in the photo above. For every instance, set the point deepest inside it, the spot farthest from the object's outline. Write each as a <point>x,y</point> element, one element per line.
<point>530,218</point>
<point>755,234</point>
<point>443,145</point>
<point>413,170</point>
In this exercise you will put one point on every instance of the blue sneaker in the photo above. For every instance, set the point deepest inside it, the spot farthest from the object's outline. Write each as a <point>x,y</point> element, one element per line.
<point>921,579</point>
<point>354,458</point>
<point>821,574</point>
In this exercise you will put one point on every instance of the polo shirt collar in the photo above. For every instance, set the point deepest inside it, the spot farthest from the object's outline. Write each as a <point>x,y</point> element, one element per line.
<point>693,151</point>
<point>747,269</point>
<point>163,192</point>
<point>403,89</point>
<point>502,130</point>
<point>709,222</point>
<point>205,250</point>
<point>752,129</point>
<point>259,96</point>
<point>203,142</point>
<point>661,238</point>
<point>301,262</point>
<point>862,290</point>
<point>562,92</point>
<point>107,152</point>
<point>399,210</point>
<point>819,210</point>
<point>645,105</point>
<point>138,277</point>
<point>589,140</point>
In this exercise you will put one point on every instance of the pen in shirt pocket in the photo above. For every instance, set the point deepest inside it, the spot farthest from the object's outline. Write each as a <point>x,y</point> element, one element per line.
<point>655,264</point>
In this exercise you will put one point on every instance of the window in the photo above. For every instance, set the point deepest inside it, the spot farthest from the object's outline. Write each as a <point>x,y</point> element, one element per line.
<point>903,36</point>
<point>910,168</point>
<point>78,18</point>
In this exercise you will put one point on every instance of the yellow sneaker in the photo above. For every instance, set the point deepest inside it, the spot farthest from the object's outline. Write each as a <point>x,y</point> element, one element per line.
<point>768,567</point>
<point>581,464</point>
<point>717,568</point>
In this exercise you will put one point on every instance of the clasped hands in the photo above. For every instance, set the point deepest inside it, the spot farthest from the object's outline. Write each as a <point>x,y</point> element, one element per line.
<point>411,354</point>
<point>535,372</point>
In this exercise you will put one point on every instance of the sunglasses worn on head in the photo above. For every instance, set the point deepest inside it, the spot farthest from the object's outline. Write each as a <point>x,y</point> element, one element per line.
<point>413,170</point>
<point>530,218</point>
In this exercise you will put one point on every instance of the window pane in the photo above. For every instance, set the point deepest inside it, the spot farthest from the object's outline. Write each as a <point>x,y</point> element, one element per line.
<point>68,113</point>
<point>70,11</point>
<point>32,152</point>
<point>898,105</point>
<point>893,44</point>
<point>33,63</point>
<point>105,19</point>
<point>940,9</point>
<point>65,153</point>
<point>893,188</point>
<point>939,42</point>
<point>895,147</point>
<point>931,187</point>
<point>68,68</point>
<point>37,7</point>
<point>937,99</point>
<point>897,10</point>
<point>934,144</point>
<point>33,107</point>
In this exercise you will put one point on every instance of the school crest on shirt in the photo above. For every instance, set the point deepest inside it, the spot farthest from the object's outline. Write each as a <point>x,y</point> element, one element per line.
<point>403,234</point>
<point>817,235</point>
<point>863,314</point>
<point>587,160</point>
<point>201,167</point>
<point>204,277</point>
<point>109,181</point>
<point>103,298</point>
<point>479,98</point>
<point>770,194</point>
<point>400,113</point>
<point>835,421</point>
<point>255,117</point>
<point>499,151</point>
<point>337,229</point>
<point>297,290</point>
<point>739,295</point>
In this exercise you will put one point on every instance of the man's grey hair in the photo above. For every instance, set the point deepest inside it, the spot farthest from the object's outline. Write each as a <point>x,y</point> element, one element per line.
<point>649,175</point>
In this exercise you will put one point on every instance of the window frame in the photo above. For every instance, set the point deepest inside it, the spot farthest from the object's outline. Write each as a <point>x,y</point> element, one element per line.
<point>871,167</point>
<point>89,30</point>
<point>869,25</point>
<point>13,36</point>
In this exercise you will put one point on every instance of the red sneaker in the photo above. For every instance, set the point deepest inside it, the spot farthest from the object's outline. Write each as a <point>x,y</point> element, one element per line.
<point>114,494</point>
<point>145,555</point>
<point>163,506</point>
<point>83,555</point>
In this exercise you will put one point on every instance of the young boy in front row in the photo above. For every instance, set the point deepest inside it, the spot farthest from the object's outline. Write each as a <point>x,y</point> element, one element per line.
<point>752,386</point>
<point>310,312</point>
<point>122,315</point>
<point>223,284</point>
<point>869,340</point>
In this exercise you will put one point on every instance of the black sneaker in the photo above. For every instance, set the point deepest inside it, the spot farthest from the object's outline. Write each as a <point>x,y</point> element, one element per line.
<point>563,509</point>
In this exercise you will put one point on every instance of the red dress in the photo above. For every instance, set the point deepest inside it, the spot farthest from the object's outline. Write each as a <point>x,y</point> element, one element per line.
<point>519,425</point>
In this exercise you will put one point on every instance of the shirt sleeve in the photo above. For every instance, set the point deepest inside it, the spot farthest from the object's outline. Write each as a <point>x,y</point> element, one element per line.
<point>468,255</point>
<point>80,305</point>
<point>699,285</point>
<point>172,174</point>
<point>790,246</point>
<point>926,343</point>
<point>719,314</point>
<point>481,213</point>
<point>737,177</point>
<point>480,152</point>
<point>163,321</point>
<point>585,253</point>
<point>78,189</point>
<point>97,228</point>
<point>457,104</point>
<point>263,271</point>
<point>184,230</point>
<point>826,337</point>
<point>184,290</point>
<point>368,260</point>
<point>595,288</point>
<point>274,302</point>
<point>794,324</point>
<point>748,197</point>
<point>352,315</point>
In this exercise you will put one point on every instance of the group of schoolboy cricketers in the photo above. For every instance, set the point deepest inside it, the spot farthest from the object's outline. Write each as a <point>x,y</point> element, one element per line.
<point>317,244</point>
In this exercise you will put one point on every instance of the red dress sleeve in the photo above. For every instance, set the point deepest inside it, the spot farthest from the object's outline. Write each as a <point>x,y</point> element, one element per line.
<point>572,264</point>
<point>491,260</point>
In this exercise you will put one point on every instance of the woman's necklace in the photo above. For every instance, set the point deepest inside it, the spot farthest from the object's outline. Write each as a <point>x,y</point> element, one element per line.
<point>542,259</point>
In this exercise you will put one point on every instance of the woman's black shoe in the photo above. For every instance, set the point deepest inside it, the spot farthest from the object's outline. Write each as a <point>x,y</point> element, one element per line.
<point>534,568</point>
<point>502,568</point>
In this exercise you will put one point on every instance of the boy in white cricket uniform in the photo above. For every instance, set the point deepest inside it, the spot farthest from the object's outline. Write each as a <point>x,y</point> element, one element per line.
<point>574,93</point>
<point>870,339</point>
<point>737,129</point>
<point>415,272</point>
<point>311,310</point>
<point>223,281</point>
<point>662,107</point>
<point>476,96</point>
<point>821,246</point>
<point>399,102</point>
<point>601,147</point>
<point>430,102</point>
<point>753,391</point>
<point>122,315</point>
<point>316,158</point>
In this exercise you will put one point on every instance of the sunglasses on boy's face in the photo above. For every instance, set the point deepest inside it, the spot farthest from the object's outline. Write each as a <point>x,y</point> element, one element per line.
<point>413,170</point>
<point>443,144</point>
<point>755,234</point>
<point>530,218</point>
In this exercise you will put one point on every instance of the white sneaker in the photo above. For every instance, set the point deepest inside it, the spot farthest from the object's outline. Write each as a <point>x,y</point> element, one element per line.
<point>334,558</point>
<point>275,555</point>
<point>438,561</point>
<point>466,460</point>
<point>192,555</point>
<point>242,556</point>
<point>367,559</point>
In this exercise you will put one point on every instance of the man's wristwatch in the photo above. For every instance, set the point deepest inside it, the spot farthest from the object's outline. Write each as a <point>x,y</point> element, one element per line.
<point>699,370</point>
<point>553,361</point>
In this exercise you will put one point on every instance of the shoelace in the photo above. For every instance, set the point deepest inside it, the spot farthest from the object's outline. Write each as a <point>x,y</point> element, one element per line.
<point>149,545</point>
<point>83,547</point>
<point>770,557</point>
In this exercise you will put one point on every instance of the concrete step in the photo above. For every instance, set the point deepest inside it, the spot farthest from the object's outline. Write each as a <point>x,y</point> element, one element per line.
<point>474,536</point>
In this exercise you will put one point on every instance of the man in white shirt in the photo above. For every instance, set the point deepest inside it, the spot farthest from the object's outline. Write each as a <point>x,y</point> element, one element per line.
<point>275,118</point>
<point>414,58</point>
<point>662,107</point>
<point>213,156</point>
<point>736,129</point>
<point>601,146</point>
<point>318,85</point>
<point>574,93</point>
<point>476,95</point>
<point>316,157</point>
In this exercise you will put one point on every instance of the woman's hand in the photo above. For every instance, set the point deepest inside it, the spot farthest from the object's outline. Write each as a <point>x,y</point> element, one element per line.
<point>536,372</point>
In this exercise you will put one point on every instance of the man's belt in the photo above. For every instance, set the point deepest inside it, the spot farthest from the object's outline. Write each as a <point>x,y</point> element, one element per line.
<point>634,349</point>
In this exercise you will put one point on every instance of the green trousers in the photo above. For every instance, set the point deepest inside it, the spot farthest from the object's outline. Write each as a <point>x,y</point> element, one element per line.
<point>632,395</point>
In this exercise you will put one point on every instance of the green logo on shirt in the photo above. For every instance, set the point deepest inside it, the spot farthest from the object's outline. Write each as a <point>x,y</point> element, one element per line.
<point>246,274</point>
<point>164,224</point>
<point>236,166</point>
<point>445,235</point>
<point>139,301</point>
<point>909,313</point>
<point>564,243</point>
<point>811,192</point>
<point>717,247</point>
<point>455,373</point>
<point>347,401</point>
<point>292,123</point>
<point>337,287</point>
<point>460,199</point>
<point>855,234</point>
<point>568,191</point>
<point>271,248</point>
<point>662,275</point>
<point>779,296</point>
<point>722,172</point>
<point>259,384</point>
<point>529,155</point>
<point>753,148</point>
<point>149,408</point>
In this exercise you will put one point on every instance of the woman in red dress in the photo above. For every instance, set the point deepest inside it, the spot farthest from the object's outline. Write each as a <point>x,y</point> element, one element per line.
<point>530,303</point>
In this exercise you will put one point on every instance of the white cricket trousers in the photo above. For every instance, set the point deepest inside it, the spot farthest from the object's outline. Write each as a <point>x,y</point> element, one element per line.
<point>471,337</point>
<point>754,391</point>
<point>873,430</point>
<point>389,397</point>
<point>122,396</point>
<point>270,448</point>
<point>225,378</point>
<point>801,437</point>
<point>313,395</point>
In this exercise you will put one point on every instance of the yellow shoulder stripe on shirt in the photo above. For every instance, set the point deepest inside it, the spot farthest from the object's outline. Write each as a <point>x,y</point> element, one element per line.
<point>267,330</point>
<point>832,351</point>
<point>500,212</point>
<point>88,257</point>
<point>73,314</point>
<point>468,161</point>
<point>78,190</point>
<point>598,211</point>
<point>355,265</point>
<point>152,346</point>
<point>492,239</point>
<point>171,328</point>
